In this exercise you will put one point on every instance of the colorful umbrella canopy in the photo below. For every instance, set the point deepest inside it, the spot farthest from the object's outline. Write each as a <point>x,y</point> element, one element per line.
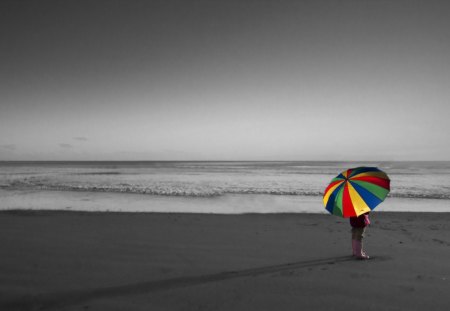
<point>356,191</point>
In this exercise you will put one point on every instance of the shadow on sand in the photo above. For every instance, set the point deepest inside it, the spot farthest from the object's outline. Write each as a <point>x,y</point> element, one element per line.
<point>57,300</point>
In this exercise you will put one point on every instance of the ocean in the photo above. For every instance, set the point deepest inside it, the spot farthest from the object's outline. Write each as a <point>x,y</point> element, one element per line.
<point>209,187</point>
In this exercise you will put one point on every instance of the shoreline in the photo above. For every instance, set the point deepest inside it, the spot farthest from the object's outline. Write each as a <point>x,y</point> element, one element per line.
<point>83,212</point>
<point>226,204</point>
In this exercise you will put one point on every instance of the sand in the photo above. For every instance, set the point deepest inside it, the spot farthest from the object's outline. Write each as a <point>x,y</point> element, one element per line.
<point>52,260</point>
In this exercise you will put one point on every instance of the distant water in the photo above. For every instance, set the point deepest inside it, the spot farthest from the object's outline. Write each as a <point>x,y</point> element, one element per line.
<point>205,186</point>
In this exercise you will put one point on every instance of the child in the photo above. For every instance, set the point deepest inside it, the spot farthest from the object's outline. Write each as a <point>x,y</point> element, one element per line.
<point>359,225</point>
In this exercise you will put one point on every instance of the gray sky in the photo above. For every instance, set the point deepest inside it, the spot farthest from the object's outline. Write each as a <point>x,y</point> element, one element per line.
<point>225,80</point>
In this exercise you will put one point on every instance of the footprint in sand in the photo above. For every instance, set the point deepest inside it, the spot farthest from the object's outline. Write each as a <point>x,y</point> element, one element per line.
<point>441,242</point>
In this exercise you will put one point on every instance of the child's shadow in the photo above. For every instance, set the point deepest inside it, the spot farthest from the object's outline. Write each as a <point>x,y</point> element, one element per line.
<point>58,300</point>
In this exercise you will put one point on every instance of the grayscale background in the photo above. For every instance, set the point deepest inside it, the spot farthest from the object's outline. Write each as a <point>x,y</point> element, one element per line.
<point>224,80</point>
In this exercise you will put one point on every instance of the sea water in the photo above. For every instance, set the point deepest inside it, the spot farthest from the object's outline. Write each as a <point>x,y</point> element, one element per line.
<point>209,187</point>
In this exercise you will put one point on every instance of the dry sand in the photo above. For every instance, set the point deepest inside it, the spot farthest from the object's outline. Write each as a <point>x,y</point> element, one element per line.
<point>135,261</point>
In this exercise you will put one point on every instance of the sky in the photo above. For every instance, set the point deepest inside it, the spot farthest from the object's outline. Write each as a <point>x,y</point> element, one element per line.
<point>225,80</point>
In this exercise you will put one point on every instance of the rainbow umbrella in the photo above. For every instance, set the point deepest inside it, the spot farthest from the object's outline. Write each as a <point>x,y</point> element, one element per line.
<point>356,191</point>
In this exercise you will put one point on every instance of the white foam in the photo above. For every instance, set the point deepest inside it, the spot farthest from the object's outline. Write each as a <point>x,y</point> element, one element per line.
<point>227,204</point>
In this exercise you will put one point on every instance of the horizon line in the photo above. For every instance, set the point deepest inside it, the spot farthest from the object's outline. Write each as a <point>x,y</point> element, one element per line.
<point>358,161</point>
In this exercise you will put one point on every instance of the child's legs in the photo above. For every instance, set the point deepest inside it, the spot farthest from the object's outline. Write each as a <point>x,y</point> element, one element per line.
<point>358,233</point>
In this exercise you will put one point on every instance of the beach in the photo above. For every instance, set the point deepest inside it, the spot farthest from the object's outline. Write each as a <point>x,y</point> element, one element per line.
<point>200,155</point>
<point>65,260</point>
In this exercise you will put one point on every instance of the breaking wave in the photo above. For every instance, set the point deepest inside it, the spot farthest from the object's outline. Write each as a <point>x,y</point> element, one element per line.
<point>189,190</point>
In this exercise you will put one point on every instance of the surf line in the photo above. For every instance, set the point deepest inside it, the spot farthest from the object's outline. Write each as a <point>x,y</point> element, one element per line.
<point>58,300</point>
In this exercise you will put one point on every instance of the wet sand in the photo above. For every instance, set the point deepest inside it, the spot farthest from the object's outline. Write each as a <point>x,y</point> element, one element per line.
<point>52,260</point>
